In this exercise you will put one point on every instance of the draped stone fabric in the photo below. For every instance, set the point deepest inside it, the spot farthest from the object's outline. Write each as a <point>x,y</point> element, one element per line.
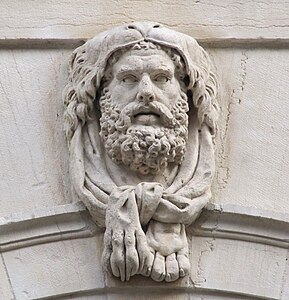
<point>145,222</point>
<point>179,203</point>
<point>183,200</point>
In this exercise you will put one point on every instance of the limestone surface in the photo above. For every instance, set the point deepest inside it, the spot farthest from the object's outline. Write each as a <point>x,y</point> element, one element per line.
<point>140,116</point>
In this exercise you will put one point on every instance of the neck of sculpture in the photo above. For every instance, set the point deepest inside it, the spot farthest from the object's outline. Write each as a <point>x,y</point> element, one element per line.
<point>122,175</point>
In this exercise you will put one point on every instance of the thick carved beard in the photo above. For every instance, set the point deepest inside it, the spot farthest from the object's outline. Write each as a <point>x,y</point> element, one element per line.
<point>144,149</point>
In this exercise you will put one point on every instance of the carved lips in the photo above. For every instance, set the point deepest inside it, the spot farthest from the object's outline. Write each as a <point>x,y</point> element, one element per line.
<point>147,118</point>
<point>152,114</point>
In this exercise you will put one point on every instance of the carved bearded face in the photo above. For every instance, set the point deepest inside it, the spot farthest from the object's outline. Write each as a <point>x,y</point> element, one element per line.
<point>143,112</point>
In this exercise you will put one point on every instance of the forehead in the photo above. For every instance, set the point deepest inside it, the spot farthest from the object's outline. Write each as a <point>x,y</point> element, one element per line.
<point>144,60</point>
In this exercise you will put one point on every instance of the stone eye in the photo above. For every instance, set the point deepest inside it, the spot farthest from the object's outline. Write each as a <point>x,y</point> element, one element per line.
<point>129,79</point>
<point>161,78</point>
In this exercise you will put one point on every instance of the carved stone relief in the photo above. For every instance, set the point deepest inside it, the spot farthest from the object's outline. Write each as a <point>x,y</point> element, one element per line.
<point>140,116</point>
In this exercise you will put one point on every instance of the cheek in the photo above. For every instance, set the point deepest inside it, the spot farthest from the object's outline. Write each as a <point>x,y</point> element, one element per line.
<point>122,94</point>
<point>171,93</point>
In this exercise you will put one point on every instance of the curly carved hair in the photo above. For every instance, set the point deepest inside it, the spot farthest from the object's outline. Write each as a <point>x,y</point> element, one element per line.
<point>86,78</point>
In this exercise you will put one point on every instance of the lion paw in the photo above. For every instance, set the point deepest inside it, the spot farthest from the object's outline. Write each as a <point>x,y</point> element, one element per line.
<point>170,268</point>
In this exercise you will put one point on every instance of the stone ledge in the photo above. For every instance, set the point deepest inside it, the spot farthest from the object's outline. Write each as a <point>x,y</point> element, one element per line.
<point>256,241</point>
<point>72,43</point>
<point>72,221</point>
<point>45,225</point>
<point>243,223</point>
<point>159,292</point>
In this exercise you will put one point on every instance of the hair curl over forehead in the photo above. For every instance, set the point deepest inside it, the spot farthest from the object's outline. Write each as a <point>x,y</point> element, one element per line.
<point>85,80</point>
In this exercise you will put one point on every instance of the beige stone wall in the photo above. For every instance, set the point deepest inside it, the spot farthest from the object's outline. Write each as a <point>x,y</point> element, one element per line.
<point>249,45</point>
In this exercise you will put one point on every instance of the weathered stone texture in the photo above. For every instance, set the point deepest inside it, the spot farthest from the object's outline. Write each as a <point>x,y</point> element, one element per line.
<point>236,253</point>
<point>203,19</point>
<point>33,171</point>
<point>253,141</point>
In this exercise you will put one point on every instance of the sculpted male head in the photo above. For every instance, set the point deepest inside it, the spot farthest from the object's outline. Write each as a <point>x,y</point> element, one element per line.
<point>141,100</point>
<point>93,62</point>
<point>143,108</point>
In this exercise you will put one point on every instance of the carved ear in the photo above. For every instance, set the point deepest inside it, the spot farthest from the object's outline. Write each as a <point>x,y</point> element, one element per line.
<point>80,91</point>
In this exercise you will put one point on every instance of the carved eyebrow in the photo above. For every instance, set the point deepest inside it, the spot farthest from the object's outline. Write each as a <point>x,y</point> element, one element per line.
<point>125,70</point>
<point>128,70</point>
<point>165,71</point>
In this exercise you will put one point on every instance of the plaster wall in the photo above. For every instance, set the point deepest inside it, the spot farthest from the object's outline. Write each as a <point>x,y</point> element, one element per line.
<point>248,43</point>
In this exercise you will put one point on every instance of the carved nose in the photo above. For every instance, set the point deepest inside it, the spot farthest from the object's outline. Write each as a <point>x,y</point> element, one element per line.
<point>146,92</point>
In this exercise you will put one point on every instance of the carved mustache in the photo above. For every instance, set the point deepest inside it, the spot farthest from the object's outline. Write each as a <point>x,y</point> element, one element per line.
<point>136,108</point>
